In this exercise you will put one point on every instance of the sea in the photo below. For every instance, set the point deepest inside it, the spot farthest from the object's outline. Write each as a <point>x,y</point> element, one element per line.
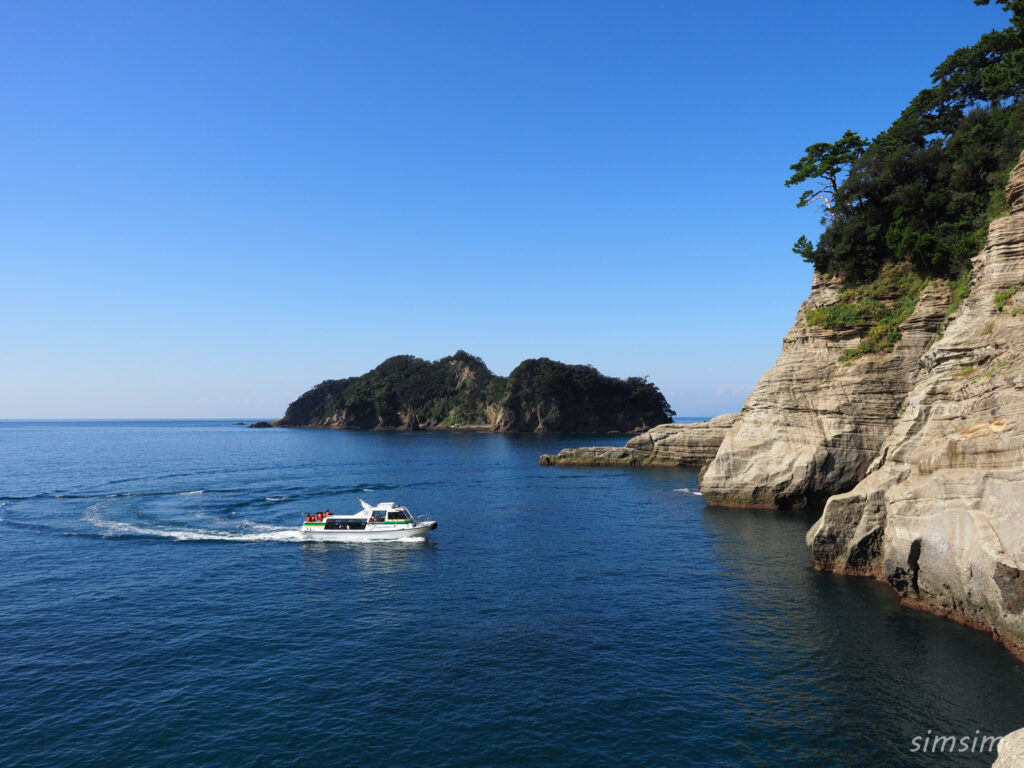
<point>158,607</point>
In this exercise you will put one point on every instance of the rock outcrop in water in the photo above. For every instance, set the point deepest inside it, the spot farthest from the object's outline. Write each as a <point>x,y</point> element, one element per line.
<point>916,454</point>
<point>667,445</point>
<point>940,514</point>
<point>460,392</point>
<point>1011,751</point>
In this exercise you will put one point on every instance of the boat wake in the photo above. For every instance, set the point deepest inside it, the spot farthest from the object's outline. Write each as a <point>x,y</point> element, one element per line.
<point>253,531</point>
<point>189,514</point>
<point>280,493</point>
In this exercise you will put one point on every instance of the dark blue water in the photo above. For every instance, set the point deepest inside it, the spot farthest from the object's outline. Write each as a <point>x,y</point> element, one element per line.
<point>156,608</point>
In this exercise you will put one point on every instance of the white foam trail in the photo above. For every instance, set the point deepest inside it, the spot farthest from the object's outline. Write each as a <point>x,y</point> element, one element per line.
<point>265,527</point>
<point>275,498</point>
<point>190,493</point>
<point>199,534</point>
<point>689,491</point>
<point>114,527</point>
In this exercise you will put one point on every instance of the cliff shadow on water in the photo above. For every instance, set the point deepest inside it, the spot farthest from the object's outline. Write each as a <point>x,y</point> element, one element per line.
<point>858,640</point>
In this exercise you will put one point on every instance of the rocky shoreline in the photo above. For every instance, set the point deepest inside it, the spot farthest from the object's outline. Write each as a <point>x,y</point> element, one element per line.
<point>667,445</point>
<point>916,456</point>
<point>940,514</point>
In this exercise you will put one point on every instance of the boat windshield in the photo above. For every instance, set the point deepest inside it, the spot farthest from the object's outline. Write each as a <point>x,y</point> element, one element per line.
<point>400,514</point>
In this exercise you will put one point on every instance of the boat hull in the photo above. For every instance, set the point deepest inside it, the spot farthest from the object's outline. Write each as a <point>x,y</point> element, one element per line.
<point>375,533</point>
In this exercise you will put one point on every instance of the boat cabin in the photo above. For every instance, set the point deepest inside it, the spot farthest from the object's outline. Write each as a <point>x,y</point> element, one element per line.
<point>387,513</point>
<point>390,514</point>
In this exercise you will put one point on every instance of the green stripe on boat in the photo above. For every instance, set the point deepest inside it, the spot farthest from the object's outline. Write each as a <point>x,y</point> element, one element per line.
<point>379,522</point>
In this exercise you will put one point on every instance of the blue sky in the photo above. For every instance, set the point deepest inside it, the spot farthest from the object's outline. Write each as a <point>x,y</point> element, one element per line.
<point>207,208</point>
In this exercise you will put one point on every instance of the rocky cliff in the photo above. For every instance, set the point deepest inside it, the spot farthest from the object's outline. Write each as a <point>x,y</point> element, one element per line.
<point>460,392</point>
<point>815,421</point>
<point>916,451</point>
<point>667,445</point>
<point>940,513</point>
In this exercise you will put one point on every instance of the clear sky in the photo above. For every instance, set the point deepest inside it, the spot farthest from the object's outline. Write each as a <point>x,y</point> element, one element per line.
<point>206,208</point>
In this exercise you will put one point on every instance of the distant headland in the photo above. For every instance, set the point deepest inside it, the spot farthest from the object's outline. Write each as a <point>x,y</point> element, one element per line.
<point>460,392</point>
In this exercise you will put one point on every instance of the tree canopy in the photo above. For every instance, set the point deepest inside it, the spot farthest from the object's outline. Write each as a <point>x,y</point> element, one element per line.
<point>825,163</point>
<point>924,190</point>
<point>460,391</point>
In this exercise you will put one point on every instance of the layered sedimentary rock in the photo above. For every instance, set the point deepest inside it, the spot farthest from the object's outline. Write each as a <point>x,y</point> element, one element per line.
<point>667,445</point>
<point>940,515</point>
<point>815,422</point>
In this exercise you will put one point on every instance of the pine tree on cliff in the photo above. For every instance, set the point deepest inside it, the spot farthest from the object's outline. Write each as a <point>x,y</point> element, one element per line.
<point>825,163</point>
<point>923,190</point>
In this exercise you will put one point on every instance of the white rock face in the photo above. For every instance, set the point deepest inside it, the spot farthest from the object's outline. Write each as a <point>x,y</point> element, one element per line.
<point>1011,751</point>
<point>940,515</point>
<point>814,424</point>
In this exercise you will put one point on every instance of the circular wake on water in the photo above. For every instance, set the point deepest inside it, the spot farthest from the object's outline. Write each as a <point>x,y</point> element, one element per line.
<point>188,512</point>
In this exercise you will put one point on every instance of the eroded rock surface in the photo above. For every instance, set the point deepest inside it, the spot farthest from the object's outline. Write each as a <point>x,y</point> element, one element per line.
<point>814,423</point>
<point>1011,751</point>
<point>667,445</point>
<point>940,515</point>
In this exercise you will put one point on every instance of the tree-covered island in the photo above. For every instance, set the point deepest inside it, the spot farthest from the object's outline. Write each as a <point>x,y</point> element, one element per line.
<point>461,392</point>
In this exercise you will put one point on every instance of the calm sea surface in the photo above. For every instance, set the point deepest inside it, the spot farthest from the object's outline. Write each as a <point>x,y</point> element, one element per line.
<point>157,608</point>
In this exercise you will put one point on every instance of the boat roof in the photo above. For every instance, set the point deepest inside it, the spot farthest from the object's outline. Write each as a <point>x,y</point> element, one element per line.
<point>384,506</point>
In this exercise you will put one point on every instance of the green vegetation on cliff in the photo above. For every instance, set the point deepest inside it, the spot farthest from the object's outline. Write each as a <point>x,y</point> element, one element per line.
<point>880,306</point>
<point>407,392</point>
<point>924,190</point>
<point>914,203</point>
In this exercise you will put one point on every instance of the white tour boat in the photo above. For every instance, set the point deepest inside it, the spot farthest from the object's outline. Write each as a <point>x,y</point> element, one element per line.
<point>386,521</point>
